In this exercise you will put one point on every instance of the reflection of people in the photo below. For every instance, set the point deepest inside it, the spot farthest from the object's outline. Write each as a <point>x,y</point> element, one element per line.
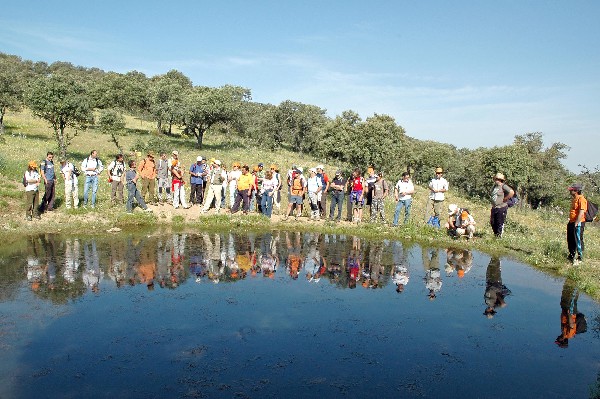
<point>433,277</point>
<point>460,260</point>
<point>294,259</point>
<point>571,321</point>
<point>92,273</point>
<point>400,272</point>
<point>495,291</point>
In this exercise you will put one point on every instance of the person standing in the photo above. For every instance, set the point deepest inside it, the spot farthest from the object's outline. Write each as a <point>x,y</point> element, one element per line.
<point>162,173</point>
<point>576,225</point>
<point>177,186</point>
<point>244,188</point>
<point>322,200</point>
<point>92,167</point>
<point>71,184</point>
<point>500,194</point>
<point>260,177</point>
<point>380,193</point>
<point>215,180</point>
<point>269,192</point>
<point>197,172</point>
<point>147,171</point>
<point>314,186</point>
<point>116,175</point>
<point>357,184</point>
<point>131,177</point>
<point>297,191</point>
<point>32,180</point>
<point>232,178</point>
<point>437,189</point>
<point>337,195</point>
<point>49,177</point>
<point>403,195</point>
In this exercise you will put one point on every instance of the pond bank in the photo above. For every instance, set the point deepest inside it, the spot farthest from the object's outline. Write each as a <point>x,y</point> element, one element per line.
<point>546,255</point>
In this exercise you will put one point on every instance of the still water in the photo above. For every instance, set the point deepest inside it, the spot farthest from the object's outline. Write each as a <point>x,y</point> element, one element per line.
<point>286,315</point>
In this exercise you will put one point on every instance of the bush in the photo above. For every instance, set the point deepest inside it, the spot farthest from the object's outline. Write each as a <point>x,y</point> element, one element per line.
<point>157,144</point>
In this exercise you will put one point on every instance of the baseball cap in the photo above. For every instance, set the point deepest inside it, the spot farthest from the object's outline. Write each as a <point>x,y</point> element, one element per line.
<point>575,187</point>
<point>199,159</point>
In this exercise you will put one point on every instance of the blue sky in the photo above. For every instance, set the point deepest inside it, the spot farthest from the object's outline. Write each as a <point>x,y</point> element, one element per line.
<point>470,73</point>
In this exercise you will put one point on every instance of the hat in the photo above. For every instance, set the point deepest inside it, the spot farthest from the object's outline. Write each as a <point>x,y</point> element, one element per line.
<point>320,167</point>
<point>314,170</point>
<point>452,208</point>
<point>576,187</point>
<point>300,169</point>
<point>150,154</point>
<point>175,152</point>
<point>439,170</point>
<point>461,273</point>
<point>32,165</point>
<point>217,162</point>
<point>260,165</point>
<point>338,172</point>
<point>499,176</point>
<point>198,159</point>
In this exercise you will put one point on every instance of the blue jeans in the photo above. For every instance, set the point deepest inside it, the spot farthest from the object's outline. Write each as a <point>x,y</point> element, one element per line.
<point>266,203</point>
<point>93,182</point>
<point>402,203</point>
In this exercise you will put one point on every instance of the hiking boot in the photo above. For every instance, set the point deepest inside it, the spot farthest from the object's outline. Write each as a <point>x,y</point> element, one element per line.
<point>28,218</point>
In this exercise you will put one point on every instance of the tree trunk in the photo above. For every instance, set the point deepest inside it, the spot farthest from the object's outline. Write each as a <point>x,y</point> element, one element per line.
<point>199,137</point>
<point>62,144</point>
<point>2,121</point>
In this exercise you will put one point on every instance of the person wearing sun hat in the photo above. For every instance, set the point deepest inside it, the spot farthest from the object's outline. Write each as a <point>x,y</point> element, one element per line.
<point>500,194</point>
<point>216,178</point>
<point>147,172</point>
<point>31,180</point>
<point>576,225</point>
<point>437,189</point>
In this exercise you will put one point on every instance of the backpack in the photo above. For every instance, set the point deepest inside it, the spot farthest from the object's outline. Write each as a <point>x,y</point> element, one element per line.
<point>297,187</point>
<point>514,200</point>
<point>580,323</point>
<point>76,171</point>
<point>591,211</point>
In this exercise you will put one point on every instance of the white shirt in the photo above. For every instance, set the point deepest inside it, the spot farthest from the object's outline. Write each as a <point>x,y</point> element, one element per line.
<point>313,184</point>
<point>95,163</point>
<point>438,184</point>
<point>32,175</point>
<point>269,184</point>
<point>117,169</point>
<point>67,172</point>
<point>404,186</point>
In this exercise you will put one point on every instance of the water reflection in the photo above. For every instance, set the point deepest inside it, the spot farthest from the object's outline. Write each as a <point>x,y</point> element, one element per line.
<point>275,303</point>
<point>572,322</point>
<point>495,291</point>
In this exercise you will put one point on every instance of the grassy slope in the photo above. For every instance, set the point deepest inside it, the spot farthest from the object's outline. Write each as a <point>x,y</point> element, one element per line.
<point>536,237</point>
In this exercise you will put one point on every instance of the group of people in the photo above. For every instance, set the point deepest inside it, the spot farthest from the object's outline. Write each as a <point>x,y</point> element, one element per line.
<point>255,189</point>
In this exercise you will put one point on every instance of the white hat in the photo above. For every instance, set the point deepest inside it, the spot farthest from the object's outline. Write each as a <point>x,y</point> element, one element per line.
<point>300,169</point>
<point>314,170</point>
<point>217,162</point>
<point>320,167</point>
<point>452,208</point>
<point>175,152</point>
<point>198,159</point>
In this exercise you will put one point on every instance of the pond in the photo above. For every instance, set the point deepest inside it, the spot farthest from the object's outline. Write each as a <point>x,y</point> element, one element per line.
<point>286,314</point>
